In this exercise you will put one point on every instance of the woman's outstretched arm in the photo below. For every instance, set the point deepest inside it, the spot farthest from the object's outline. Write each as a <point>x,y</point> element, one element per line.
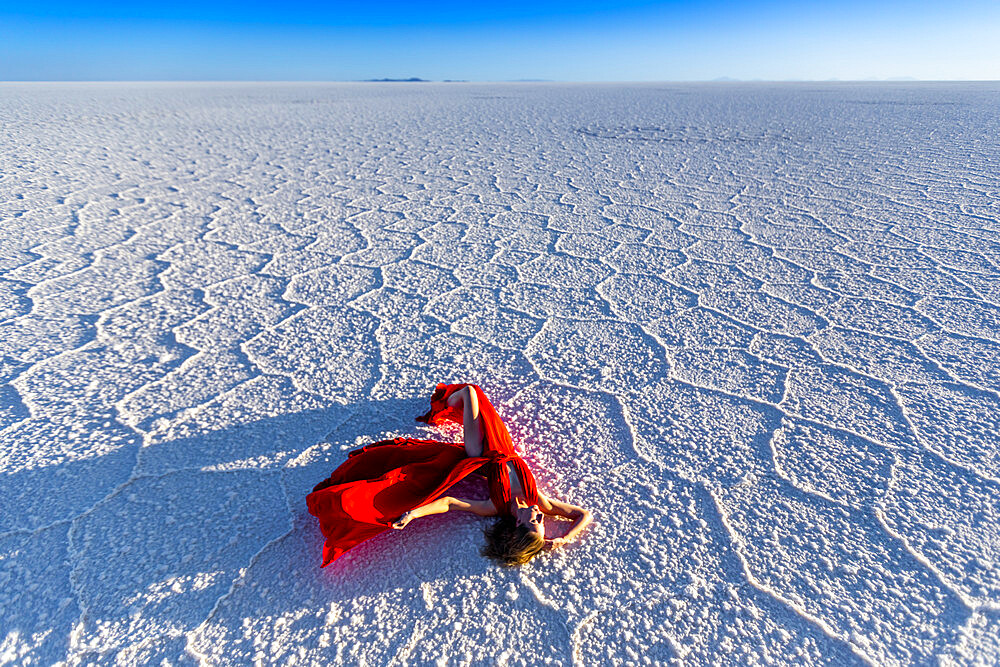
<point>446,504</point>
<point>472,431</point>
<point>580,517</point>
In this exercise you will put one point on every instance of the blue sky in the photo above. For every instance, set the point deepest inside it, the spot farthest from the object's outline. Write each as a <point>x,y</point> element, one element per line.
<point>629,40</point>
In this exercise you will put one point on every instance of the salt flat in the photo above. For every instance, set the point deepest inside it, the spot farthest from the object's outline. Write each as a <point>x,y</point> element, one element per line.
<point>754,327</point>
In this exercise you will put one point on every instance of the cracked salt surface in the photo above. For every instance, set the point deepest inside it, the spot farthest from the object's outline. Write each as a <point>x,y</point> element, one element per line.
<point>754,328</point>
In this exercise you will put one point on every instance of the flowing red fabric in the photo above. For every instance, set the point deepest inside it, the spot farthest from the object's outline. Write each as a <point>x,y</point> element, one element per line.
<point>381,481</point>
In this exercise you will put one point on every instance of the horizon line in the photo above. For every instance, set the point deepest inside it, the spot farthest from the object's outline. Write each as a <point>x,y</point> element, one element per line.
<point>415,80</point>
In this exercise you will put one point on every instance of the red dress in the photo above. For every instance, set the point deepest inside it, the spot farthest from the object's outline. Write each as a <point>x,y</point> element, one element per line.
<point>381,481</point>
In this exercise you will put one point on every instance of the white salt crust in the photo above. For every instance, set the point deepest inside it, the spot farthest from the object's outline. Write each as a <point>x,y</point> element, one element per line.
<point>754,328</point>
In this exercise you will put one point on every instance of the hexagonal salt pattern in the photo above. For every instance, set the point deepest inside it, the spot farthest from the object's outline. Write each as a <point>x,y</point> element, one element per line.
<point>754,328</point>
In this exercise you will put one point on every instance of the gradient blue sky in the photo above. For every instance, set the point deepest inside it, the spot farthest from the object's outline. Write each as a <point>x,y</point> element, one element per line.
<point>629,40</point>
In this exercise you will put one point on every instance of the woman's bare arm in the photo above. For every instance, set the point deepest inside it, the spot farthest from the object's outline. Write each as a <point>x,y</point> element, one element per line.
<point>480,507</point>
<point>472,432</point>
<point>580,517</point>
<point>446,504</point>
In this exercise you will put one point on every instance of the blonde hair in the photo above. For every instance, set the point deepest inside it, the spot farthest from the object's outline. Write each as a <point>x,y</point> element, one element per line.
<point>510,544</point>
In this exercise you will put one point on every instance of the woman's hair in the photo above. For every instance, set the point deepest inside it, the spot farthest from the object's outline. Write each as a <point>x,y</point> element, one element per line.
<point>510,544</point>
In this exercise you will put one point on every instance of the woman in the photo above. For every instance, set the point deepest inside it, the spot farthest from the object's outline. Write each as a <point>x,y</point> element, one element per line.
<point>388,484</point>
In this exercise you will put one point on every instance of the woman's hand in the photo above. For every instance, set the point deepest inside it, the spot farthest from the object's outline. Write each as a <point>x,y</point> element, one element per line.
<point>401,522</point>
<point>557,542</point>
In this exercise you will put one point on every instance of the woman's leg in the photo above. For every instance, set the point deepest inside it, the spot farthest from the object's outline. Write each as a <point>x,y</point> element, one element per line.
<point>473,433</point>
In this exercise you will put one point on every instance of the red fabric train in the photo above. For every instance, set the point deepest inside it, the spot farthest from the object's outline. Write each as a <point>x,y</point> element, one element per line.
<point>381,481</point>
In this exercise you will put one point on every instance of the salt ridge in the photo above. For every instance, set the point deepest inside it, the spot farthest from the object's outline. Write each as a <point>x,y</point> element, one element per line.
<point>754,328</point>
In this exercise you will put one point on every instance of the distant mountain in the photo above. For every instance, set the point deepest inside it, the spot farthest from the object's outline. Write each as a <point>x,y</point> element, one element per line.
<point>412,79</point>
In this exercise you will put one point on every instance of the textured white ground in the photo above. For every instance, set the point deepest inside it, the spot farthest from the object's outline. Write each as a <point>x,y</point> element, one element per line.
<point>754,328</point>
